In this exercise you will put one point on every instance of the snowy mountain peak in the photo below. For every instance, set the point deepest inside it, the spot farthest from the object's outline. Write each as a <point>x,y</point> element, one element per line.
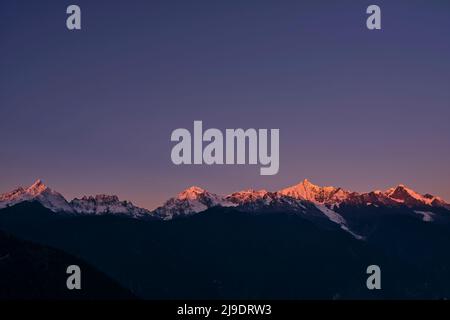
<point>308,183</point>
<point>38,191</point>
<point>306,190</point>
<point>401,191</point>
<point>191,193</point>
<point>37,187</point>
<point>403,194</point>
<point>190,201</point>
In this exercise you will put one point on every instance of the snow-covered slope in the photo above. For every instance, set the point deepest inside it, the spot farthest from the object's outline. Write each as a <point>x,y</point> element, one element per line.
<point>403,194</point>
<point>305,190</point>
<point>36,192</point>
<point>105,204</point>
<point>190,201</point>
<point>262,200</point>
<point>247,196</point>
<point>100,204</point>
<point>334,196</point>
<point>323,198</point>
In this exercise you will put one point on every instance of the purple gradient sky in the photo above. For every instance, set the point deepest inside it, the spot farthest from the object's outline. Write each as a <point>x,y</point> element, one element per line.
<point>92,111</point>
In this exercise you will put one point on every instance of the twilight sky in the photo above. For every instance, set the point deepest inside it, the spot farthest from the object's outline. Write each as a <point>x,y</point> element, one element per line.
<point>92,111</point>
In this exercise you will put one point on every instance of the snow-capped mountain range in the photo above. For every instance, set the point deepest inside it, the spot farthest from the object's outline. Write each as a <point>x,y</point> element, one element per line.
<point>303,198</point>
<point>100,204</point>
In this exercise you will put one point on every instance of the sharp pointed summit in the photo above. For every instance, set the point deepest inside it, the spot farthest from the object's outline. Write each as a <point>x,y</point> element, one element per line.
<point>37,183</point>
<point>38,191</point>
<point>37,187</point>
<point>306,190</point>
<point>191,193</point>
<point>403,194</point>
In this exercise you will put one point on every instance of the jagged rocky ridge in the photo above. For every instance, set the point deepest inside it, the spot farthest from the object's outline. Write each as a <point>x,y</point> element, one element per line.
<point>304,198</point>
<point>99,204</point>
